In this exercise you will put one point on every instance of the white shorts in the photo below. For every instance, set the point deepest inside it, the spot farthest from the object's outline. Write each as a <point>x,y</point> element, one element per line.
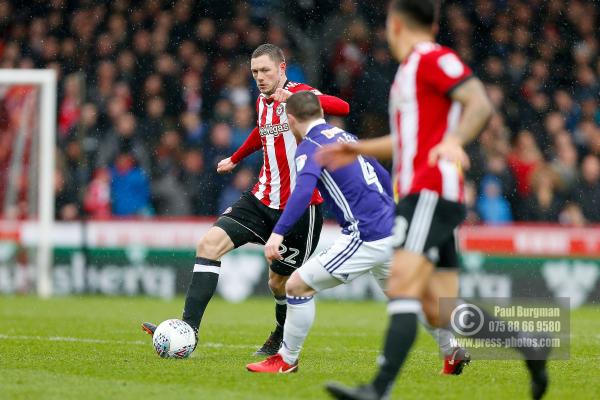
<point>347,259</point>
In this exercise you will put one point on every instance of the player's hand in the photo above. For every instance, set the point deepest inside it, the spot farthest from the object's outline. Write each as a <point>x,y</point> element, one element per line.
<point>225,166</point>
<point>280,95</point>
<point>449,149</point>
<point>336,155</point>
<point>272,247</point>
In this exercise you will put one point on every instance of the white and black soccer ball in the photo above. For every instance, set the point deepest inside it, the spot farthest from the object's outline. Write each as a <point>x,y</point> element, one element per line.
<point>174,338</point>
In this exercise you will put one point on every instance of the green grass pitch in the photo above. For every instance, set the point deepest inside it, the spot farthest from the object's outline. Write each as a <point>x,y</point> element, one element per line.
<point>93,348</point>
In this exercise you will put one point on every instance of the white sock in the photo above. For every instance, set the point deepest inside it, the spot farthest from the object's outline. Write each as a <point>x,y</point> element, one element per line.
<point>298,321</point>
<point>444,338</point>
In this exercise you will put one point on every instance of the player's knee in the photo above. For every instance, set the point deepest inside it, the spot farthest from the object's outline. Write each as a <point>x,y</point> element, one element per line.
<point>431,311</point>
<point>277,283</point>
<point>209,247</point>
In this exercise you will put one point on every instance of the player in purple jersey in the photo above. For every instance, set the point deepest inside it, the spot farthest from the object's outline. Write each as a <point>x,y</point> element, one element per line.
<point>360,195</point>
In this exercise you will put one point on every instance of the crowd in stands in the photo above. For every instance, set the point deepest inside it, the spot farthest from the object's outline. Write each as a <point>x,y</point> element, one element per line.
<point>153,94</point>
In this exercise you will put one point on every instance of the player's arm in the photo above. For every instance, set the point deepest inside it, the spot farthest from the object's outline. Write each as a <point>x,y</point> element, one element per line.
<point>296,205</point>
<point>306,182</point>
<point>331,105</point>
<point>477,110</point>
<point>250,145</point>
<point>334,105</point>
<point>337,155</point>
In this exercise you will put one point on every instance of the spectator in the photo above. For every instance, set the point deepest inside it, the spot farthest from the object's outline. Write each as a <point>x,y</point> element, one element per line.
<point>471,203</point>
<point>572,215</point>
<point>372,91</point>
<point>66,203</point>
<point>129,188</point>
<point>167,190</point>
<point>96,202</point>
<point>492,206</point>
<point>565,161</point>
<point>197,184</point>
<point>543,203</point>
<point>523,161</point>
<point>243,123</point>
<point>194,129</point>
<point>240,184</point>
<point>153,123</point>
<point>587,192</point>
<point>124,138</point>
<point>70,106</point>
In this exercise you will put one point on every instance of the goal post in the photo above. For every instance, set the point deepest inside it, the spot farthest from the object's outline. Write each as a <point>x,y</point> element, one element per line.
<point>46,80</point>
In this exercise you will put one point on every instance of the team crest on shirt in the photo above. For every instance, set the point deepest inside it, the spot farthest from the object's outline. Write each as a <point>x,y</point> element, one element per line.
<point>300,161</point>
<point>451,65</point>
<point>280,109</point>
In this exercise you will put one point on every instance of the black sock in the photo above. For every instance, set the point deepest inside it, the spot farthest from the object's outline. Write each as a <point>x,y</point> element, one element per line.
<point>202,288</point>
<point>280,311</point>
<point>399,339</point>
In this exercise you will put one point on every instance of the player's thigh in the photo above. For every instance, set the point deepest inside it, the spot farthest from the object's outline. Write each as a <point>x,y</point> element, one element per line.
<point>214,244</point>
<point>245,222</point>
<point>409,274</point>
<point>444,283</point>
<point>424,222</point>
<point>300,242</point>
<point>296,286</point>
<point>347,259</point>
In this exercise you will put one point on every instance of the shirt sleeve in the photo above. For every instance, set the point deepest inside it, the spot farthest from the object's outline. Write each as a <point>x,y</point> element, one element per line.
<point>331,105</point>
<point>443,71</point>
<point>296,204</point>
<point>250,145</point>
<point>308,172</point>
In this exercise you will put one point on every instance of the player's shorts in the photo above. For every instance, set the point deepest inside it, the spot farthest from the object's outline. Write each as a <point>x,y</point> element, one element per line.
<point>427,224</point>
<point>347,259</point>
<point>250,221</point>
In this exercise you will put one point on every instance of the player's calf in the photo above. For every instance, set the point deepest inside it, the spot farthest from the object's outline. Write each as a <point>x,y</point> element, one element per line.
<point>273,343</point>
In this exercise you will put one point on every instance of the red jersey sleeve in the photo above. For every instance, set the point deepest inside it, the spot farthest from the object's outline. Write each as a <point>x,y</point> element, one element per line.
<point>331,105</point>
<point>252,144</point>
<point>443,70</point>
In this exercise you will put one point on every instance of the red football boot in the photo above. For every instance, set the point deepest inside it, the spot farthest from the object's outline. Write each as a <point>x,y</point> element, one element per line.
<point>455,362</point>
<point>273,365</point>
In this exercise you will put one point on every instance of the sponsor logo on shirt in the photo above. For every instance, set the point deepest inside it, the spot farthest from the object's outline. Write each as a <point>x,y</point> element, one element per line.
<point>300,161</point>
<point>451,65</point>
<point>280,109</point>
<point>274,130</point>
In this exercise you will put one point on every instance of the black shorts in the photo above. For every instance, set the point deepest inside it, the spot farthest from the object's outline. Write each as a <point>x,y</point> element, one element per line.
<point>427,224</point>
<point>250,221</point>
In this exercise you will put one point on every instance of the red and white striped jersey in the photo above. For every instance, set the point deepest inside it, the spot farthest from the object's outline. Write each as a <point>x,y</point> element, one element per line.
<point>278,175</point>
<point>421,114</point>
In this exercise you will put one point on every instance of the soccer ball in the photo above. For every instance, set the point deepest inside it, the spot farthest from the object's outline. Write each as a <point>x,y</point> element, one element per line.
<point>174,338</point>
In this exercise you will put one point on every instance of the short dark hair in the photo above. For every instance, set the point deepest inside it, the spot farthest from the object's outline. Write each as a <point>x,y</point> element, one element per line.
<point>274,52</point>
<point>421,12</point>
<point>304,105</point>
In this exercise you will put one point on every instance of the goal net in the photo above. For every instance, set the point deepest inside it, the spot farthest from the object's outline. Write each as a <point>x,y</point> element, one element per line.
<point>27,164</point>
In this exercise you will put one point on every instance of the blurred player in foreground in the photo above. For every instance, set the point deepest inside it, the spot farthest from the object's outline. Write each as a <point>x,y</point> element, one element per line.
<point>360,195</point>
<point>252,218</point>
<point>436,107</point>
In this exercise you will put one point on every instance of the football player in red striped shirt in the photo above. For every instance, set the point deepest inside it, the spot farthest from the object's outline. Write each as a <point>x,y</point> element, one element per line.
<point>436,106</point>
<point>252,218</point>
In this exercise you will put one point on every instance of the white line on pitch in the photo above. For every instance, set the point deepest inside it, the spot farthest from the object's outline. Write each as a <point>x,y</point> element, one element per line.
<point>107,341</point>
<point>147,343</point>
